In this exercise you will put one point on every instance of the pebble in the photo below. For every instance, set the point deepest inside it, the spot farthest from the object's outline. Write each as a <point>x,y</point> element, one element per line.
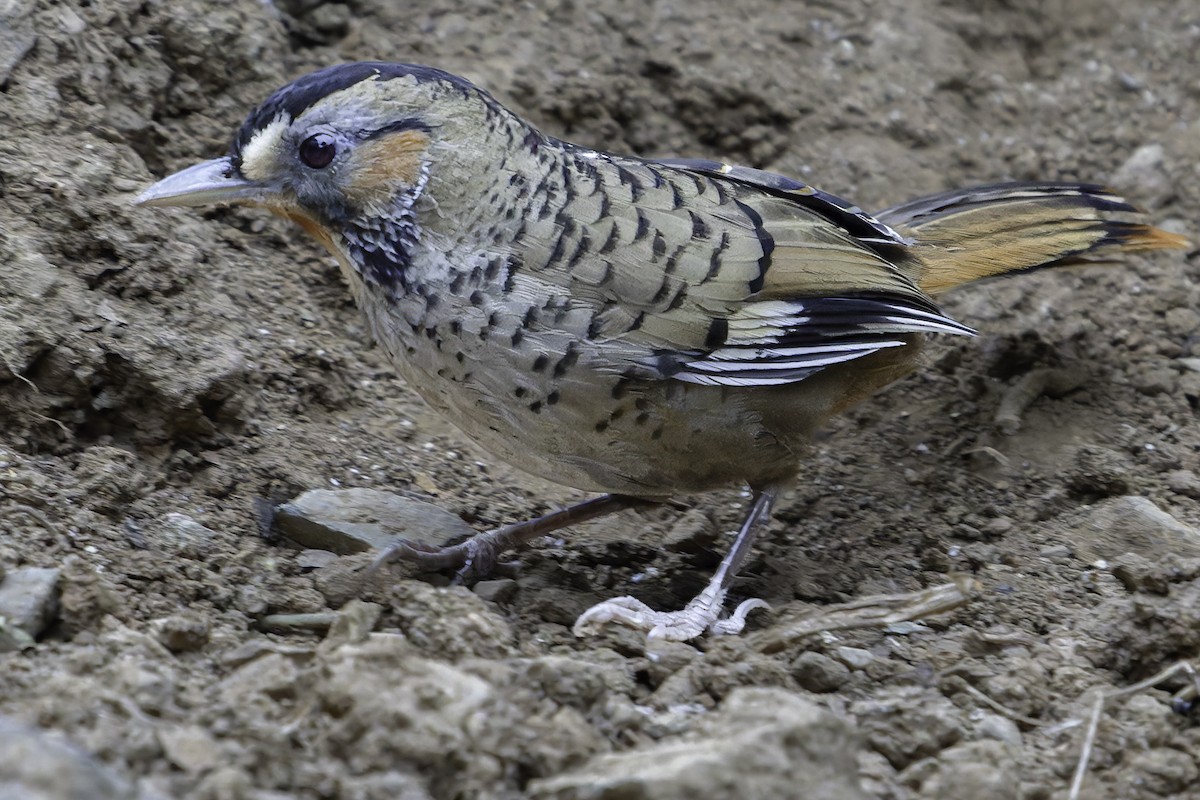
<point>981,770</point>
<point>314,559</point>
<point>1002,729</point>
<point>818,672</point>
<point>1138,573</point>
<point>35,765</point>
<point>1184,482</point>
<point>855,658</point>
<point>1100,471</point>
<point>1143,176</point>
<point>908,723</point>
<point>500,591</point>
<point>28,604</point>
<point>180,535</point>
<point>694,532</point>
<point>189,747</point>
<point>761,743</point>
<point>1131,524</point>
<point>347,521</point>
<point>182,633</point>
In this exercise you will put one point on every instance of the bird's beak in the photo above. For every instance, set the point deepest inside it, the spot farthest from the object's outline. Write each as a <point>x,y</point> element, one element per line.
<point>204,184</point>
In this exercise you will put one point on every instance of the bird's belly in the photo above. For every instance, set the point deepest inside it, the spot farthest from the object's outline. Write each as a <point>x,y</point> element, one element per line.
<point>586,427</point>
<point>667,439</point>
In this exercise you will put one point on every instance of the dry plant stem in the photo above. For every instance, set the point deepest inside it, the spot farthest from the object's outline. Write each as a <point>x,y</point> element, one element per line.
<point>1001,709</point>
<point>1089,737</point>
<point>869,612</point>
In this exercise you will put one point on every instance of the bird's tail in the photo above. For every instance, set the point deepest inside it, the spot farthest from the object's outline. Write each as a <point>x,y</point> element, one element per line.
<point>970,234</point>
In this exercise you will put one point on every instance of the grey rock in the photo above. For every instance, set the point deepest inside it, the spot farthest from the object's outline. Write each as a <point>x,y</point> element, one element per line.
<point>854,657</point>
<point>818,672</point>
<point>180,535</point>
<point>35,765</point>
<point>761,743</point>
<point>1184,482</point>
<point>315,559</point>
<point>909,723</point>
<point>1131,524</point>
<point>500,590</point>
<point>981,770</point>
<point>16,37</point>
<point>694,532</point>
<point>28,603</point>
<point>353,520</point>
<point>1143,176</point>
<point>183,632</point>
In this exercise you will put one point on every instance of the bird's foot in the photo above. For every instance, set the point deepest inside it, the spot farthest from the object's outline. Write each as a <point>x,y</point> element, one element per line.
<point>479,556</point>
<point>473,560</point>
<point>701,615</point>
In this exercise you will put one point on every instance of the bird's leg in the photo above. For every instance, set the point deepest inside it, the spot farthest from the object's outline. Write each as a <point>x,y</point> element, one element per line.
<point>704,611</point>
<point>478,556</point>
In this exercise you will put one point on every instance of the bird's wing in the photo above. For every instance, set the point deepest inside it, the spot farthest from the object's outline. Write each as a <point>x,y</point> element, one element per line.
<point>730,276</point>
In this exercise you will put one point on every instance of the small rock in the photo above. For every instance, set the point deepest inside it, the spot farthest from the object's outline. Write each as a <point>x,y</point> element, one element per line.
<point>1158,772</point>
<point>818,672</point>
<point>392,785</point>
<point>35,765</point>
<point>1144,177</point>
<point>353,520</point>
<point>17,38</point>
<point>694,532</point>
<point>1138,574</point>
<point>1002,729</point>
<point>1131,524</point>
<point>664,658</point>
<point>981,770</point>
<point>762,743</point>
<point>182,633</point>
<point>577,682</point>
<point>909,723</point>
<point>189,747</point>
<point>354,623</point>
<point>1155,381</point>
<point>1100,472</point>
<point>854,657</point>
<point>180,535</point>
<point>1184,482</point>
<point>450,623</point>
<point>315,559</point>
<point>500,591</point>
<point>225,783</point>
<point>1182,322</point>
<point>29,599</point>
<point>997,528</point>
<point>1055,552</point>
<point>87,595</point>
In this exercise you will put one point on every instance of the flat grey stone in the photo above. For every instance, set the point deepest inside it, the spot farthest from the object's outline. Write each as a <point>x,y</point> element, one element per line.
<point>35,765</point>
<point>347,521</point>
<point>761,743</point>
<point>28,603</point>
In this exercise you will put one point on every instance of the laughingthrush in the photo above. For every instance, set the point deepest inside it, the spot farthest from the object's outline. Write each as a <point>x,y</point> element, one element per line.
<point>637,327</point>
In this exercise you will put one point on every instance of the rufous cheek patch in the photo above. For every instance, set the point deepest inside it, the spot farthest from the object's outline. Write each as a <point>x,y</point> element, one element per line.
<point>385,166</point>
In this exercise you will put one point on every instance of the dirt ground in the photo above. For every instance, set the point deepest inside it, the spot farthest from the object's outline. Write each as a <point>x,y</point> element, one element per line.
<point>160,371</point>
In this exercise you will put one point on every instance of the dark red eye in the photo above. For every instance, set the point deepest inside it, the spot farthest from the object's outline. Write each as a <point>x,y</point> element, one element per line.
<point>318,150</point>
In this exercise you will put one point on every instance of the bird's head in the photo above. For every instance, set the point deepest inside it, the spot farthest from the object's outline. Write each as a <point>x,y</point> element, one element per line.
<point>346,152</point>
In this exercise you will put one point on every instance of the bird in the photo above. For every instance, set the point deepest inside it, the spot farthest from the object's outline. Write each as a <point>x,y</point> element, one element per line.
<point>639,328</point>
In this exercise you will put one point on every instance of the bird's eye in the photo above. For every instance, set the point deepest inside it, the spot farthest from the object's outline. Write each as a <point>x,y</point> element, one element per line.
<point>318,150</point>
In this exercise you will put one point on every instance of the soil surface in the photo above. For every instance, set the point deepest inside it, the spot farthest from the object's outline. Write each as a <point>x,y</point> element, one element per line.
<point>161,372</point>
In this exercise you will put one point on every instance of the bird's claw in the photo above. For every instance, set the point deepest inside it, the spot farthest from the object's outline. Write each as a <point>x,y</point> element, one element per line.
<point>701,615</point>
<point>473,560</point>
